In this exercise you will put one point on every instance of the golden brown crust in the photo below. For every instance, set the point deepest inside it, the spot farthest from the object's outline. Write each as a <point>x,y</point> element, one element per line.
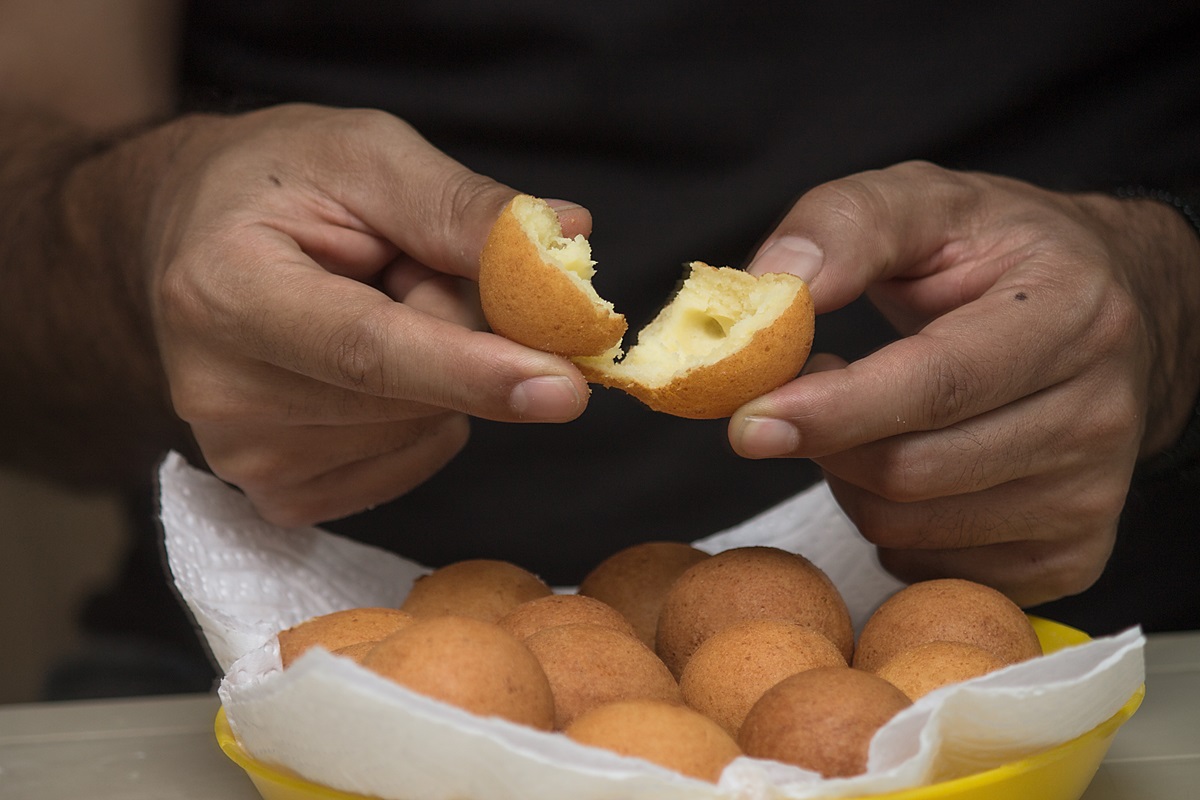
<point>340,629</point>
<point>672,736</point>
<point>771,358</point>
<point>919,670</point>
<point>821,719</point>
<point>635,579</point>
<point>734,667</point>
<point>951,610</point>
<point>482,588</point>
<point>535,288</point>
<point>469,663</point>
<point>531,301</point>
<point>592,665</point>
<point>554,610</point>
<point>749,582</point>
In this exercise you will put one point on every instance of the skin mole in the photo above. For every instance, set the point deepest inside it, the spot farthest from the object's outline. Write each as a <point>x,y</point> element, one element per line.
<point>1020,296</point>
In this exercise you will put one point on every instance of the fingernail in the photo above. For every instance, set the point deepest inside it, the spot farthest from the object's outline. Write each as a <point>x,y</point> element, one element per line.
<point>546,398</point>
<point>793,254</point>
<point>766,437</point>
<point>562,205</point>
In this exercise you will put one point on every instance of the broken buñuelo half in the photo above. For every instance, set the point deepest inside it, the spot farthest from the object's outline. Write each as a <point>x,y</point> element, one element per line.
<point>725,338</point>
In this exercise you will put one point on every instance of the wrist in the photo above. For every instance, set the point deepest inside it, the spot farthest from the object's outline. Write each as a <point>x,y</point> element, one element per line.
<point>1182,455</point>
<point>1187,204</point>
<point>1156,235</point>
<point>93,407</point>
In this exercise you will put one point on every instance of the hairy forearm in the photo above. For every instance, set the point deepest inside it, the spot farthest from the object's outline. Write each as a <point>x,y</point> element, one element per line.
<point>84,399</point>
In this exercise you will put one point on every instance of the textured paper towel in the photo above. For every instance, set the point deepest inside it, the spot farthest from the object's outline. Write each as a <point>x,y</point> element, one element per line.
<point>338,724</point>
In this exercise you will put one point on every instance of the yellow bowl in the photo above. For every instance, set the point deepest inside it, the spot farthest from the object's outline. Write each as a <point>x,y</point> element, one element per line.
<point>1061,773</point>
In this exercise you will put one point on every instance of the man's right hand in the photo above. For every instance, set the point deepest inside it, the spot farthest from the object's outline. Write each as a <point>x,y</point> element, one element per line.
<point>310,284</point>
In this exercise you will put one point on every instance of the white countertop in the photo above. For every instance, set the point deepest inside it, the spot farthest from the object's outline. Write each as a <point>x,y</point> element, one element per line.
<point>163,748</point>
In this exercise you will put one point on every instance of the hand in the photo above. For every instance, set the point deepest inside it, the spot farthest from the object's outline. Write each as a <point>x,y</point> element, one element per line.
<point>311,296</point>
<point>1045,347</point>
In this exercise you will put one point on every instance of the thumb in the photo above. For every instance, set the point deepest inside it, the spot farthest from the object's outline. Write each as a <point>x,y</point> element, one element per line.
<point>400,186</point>
<point>844,235</point>
<point>445,211</point>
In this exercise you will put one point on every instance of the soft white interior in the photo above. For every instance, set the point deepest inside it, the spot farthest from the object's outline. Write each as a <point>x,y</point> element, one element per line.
<point>572,255</point>
<point>714,313</point>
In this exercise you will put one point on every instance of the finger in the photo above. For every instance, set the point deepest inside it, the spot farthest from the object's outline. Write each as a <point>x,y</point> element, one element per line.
<point>258,394</point>
<point>823,362</point>
<point>954,369</point>
<point>339,243</point>
<point>423,289</point>
<point>340,332</point>
<point>1028,572</point>
<point>429,205</point>
<point>574,218</point>
<point>1001,537</point>
<point>256,456</point>
<point>403,275</point>
<point>291,497</point>
<point>1041,508</point>
<point>844,235</point>
<point>1069,427</point>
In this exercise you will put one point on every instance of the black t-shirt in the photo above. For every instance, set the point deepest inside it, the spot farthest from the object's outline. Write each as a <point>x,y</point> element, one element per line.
<point>688,129</point>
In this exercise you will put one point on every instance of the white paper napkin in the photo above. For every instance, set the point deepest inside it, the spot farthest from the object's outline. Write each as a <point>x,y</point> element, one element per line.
<point>335,723</point>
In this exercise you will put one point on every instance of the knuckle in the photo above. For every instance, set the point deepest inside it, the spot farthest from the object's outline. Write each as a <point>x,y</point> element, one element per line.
<point>950,386</point>
<point>285,511</point>
<point>854,203</point>
<point>901,473</point>
<point>883,527</point>
<point>201,397</point>
<point>1077,577</point>
<point>1107,430</point>
<point>1121,322</point>
<point>862,202</point>
<point>274,482</point>
<point>882,531</point>
<point>881,522</point>
<point>358,140</point>
<point>357,355</point>
<point>258,471</point>
<point>369,125</point>
<point>467,195</point>
<point>455,430</point>
<point>1073,566</point>
<point>917,168</point>
<point>194,402</point>
<point>1103,502</point>
<point>1115,426</point>
<point>954,461</point>
<point>187,296</point>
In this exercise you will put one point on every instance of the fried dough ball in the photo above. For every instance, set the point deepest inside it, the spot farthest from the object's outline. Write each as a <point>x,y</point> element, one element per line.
<point>672,736</point>
<point>735,666</point>
<point>919,670</point>
<point>948,610</point>
<point>468,663</point>
<point>340,629</point>
<point>483,588</point>
<point>635,581</point>
<point>592,665</point>
<point>725,338</point>
<point>562,609</point>
<point>749,583</point>
<point>821,719</point>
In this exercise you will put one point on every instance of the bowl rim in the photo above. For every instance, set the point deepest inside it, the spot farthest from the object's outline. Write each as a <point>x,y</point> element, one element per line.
<point>1053,636</point>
